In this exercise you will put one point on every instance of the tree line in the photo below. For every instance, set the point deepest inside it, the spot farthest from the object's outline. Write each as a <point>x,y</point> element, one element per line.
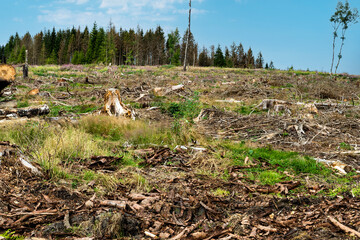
<point>123,47</point>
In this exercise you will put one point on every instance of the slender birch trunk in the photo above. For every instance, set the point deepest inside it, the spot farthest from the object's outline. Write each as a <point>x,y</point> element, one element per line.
<point>188,37</point>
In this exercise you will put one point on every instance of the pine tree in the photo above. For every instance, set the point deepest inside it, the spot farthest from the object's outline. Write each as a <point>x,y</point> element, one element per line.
<point>21,56</point>
<point>204,60</point>
<point>250,62</point>
<point>228,61</point>
<point>219,60</point>
<point>100,47</point>
<point>91,50</point>
<point>191,48</point>
<point>271,66</point>
<point>38,43</point>
<point>259,61</point>
<point>234,55</point>
<point>241,56</point>
<point>173,47</point>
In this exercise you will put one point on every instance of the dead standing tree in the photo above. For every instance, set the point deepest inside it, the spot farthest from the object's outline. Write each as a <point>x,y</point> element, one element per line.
<point>188,37</point>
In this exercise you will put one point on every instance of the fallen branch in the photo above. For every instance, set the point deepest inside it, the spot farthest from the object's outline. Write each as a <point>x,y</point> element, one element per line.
<point>187,230</point>
<point>34,213</point>
<point>343,227</point>
<point>267,229</point>
<point>113,203</point>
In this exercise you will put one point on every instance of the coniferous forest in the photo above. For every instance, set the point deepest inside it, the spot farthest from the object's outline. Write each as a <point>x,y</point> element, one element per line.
<point>123,47</point>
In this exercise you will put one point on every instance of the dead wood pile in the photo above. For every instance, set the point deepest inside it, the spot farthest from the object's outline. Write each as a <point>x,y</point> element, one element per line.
<point>319,137</point>
<point>24,112</point>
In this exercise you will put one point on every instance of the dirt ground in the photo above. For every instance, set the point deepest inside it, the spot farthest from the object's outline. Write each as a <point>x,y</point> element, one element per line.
<point>178,200</point>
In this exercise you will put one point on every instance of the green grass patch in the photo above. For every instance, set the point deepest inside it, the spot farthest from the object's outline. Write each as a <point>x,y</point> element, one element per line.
<point>280,160</point>
<point>22,104</point>
<point>246,110</point>
<point>11,235</point>
<point>219,192</point>
<point>270,177</point>
<point>188,109</point>
<point>55,110</point>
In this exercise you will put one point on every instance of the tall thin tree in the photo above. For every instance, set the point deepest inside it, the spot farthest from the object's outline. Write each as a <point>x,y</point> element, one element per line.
<point>189,32</point>
<point>343,17</point>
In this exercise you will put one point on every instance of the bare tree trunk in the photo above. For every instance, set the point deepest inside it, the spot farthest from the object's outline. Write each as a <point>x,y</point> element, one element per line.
<point>188,38</point>
<point>333,55</point>
<point>25,66</point>
<point>342,44</point>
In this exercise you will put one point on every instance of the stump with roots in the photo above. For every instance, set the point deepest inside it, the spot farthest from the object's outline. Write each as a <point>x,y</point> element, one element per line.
<point>113,106</point>
<point>7,75</point>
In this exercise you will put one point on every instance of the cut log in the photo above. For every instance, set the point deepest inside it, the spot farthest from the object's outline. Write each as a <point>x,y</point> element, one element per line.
<point>7,75</point>
<point>113,106</point>
<point>25,112</point>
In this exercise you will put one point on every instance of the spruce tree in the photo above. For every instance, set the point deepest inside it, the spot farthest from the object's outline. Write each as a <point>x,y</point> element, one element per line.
<point>91,50</point>
<point>259,61</point>
<point>219,60</point>
<point>250,62</point>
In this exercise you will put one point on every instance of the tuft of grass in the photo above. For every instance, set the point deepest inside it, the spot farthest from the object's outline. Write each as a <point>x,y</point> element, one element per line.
<point>219,192</point>
<point>270,177</point>
<point>10,235</point>
<point>22,104</point>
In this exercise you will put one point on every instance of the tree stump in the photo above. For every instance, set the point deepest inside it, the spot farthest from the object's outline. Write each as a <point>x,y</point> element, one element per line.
<point>7,75</point>
<point>113,106</point>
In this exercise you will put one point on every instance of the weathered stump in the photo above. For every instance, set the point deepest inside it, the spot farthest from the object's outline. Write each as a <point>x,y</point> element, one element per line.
<point>113,106</point>
<point>7,75</point>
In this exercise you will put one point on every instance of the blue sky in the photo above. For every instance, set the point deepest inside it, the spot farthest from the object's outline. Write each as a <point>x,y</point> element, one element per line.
<point>289,32</point>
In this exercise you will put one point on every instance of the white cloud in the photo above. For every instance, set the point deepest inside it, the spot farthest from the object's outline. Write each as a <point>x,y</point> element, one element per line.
<point>67,17</point>
<point>123,13</point>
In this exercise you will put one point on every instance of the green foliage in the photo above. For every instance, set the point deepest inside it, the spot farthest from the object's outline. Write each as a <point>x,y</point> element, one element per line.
<point>219,192</point>
<point>355,192</point>
<point>187,109</point>
<point>9,235</point>
<point>52,59</point>
<point>219,59</point>
<point>26,135</point>
<point>173,47</point>
<point>21,56</point>
<point>78,109</point>
<point>78,58</point>
<point>343,17</point>
<point>22,104</point>
<point>279,159</point>
<point>246,110</point>
<point>345,146</point>
<point>270,177</point>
